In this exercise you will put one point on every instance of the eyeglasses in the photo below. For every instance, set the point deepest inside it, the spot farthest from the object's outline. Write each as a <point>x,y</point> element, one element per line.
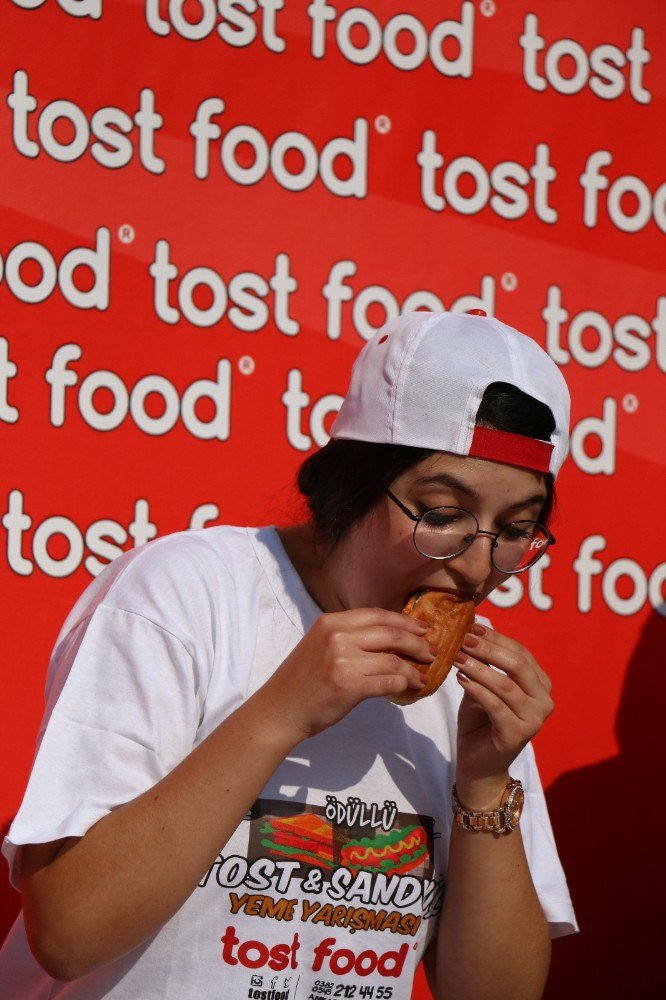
<point>445,532</point>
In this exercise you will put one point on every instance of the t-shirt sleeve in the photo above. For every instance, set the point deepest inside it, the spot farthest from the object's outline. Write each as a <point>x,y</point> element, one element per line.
<point>545,867</point>
<point>122,711</point>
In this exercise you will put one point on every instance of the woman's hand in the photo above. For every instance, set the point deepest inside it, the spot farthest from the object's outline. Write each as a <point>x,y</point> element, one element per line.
<point>500,712</point>
<point>346,656</point>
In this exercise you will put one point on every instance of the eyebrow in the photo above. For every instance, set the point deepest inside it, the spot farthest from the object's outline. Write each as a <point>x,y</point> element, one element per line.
<point>446,479</point>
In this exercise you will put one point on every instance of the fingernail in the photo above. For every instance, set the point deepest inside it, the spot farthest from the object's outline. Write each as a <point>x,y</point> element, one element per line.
<point>460,658</point>
<point>470,642</point>
<point>461,677</point>
<point>423,626</point>
<point>478,629</point>
<point>433,650</point>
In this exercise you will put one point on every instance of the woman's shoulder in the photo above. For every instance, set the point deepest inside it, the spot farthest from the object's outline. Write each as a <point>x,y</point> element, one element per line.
<point>172,573</point>
<point>208,552</point>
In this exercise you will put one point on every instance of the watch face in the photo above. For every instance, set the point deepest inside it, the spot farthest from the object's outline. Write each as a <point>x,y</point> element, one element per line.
<point>514,806</point>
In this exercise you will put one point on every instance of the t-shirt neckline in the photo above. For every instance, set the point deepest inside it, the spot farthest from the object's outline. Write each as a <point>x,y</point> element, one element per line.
<point>283,577</point>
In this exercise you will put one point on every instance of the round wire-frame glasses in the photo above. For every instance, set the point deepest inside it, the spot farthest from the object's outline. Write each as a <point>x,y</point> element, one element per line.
<point>516,547</point>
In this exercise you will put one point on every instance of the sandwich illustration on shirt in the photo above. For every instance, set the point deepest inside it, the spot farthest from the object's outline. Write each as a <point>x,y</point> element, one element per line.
<point>304,837</point>
<point>310,838</point>
<point>391,853</point>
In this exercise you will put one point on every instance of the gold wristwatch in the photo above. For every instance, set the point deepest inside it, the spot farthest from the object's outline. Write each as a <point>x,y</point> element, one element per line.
<point>499,821</point>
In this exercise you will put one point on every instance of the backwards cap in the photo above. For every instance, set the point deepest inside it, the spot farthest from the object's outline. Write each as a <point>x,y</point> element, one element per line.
<point>420,379</point>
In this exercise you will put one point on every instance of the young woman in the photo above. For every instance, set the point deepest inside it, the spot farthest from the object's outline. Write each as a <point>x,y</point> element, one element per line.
<point>224,803</point>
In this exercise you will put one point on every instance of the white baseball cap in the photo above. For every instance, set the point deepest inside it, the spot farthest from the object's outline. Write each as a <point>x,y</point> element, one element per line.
<point>420,379</point>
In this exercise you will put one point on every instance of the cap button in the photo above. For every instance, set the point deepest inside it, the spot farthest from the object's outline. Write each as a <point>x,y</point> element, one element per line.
<point>477,312</point>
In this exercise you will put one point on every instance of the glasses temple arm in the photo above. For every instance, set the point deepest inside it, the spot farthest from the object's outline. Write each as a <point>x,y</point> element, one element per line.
<point>405,510</point>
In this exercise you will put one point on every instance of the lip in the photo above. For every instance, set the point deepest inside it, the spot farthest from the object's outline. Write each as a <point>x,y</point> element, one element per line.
<point>462,595</point>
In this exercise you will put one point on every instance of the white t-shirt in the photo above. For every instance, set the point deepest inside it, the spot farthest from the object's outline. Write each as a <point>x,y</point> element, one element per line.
<point>332,883</point>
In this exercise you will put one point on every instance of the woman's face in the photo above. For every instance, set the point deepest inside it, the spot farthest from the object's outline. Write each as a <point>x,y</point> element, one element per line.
<point>380,565</point>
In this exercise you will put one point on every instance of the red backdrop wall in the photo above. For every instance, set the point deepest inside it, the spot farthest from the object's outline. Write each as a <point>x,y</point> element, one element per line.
<point>205,208</point>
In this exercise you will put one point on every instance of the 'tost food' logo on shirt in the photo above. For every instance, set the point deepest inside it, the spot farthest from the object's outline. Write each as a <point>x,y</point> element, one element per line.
<point>254,954</point>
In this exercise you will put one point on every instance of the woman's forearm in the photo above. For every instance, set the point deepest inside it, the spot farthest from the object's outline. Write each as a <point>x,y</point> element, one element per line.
<point>104,894</point>
<point>493,936</point>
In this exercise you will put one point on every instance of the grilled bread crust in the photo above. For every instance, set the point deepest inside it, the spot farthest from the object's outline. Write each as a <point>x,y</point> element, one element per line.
<point>448,619</point>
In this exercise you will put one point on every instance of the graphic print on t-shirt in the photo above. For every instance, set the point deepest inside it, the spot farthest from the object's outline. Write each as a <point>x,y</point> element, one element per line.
<point>327,895</point>
<point>343,834</point>
<point>303,837</point>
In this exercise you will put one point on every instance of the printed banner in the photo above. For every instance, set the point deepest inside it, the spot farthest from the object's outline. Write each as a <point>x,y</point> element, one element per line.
<point>208,206</point>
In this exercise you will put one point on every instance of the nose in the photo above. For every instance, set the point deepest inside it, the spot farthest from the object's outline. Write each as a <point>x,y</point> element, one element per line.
<point>474,563</point>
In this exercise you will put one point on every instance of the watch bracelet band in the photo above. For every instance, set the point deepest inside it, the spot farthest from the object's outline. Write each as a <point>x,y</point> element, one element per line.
<point>484,821</point>
<point>481,822</point>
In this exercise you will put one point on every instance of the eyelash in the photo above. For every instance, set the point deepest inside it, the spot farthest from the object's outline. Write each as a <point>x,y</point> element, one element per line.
<point>421,508</point>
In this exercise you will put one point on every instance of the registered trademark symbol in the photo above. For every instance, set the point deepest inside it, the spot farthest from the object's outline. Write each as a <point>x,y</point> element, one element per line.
<point>246,365</point>
<point>509,281</point>
<point>487,8</point>
<point>630,403</point>
<point>126,233</point>
<point>383,124</point>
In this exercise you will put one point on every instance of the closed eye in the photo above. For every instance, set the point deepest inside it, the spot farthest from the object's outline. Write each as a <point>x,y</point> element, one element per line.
<point>518,531</point>
<point>442,519</point>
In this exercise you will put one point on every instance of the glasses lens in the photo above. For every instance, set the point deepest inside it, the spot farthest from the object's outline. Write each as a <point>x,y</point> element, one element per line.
<point>444,532</point>
<point>519,545</point>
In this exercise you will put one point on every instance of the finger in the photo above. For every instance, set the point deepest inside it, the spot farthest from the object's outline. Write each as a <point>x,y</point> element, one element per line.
<point>511,730</point>
<point>361,617</point>
<point>383,685</point>
<point>380,673</point>
<point>505,643</point>
<point>380,684</point>
<point>529,709</point>
<point>509,656</point>
<point>397,640</point>
<point>390,664</point>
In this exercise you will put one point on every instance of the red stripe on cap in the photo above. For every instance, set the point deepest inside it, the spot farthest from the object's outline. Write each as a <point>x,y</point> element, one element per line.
<point>514,449</point>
